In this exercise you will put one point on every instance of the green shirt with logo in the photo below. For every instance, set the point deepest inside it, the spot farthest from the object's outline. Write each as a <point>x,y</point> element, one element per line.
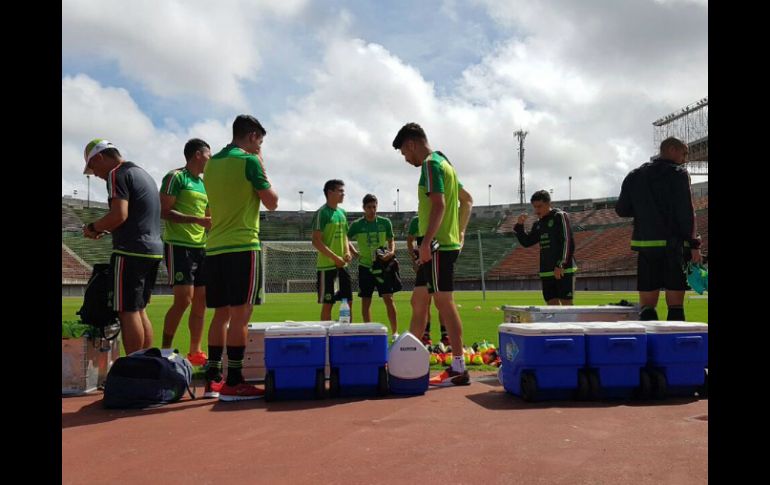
<point>437,175</point>
<point>370,235</point>
<point>333,224</point>
<point>191,200</point>
<point>233,177</point>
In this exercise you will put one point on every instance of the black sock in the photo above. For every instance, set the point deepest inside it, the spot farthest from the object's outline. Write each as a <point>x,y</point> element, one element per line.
<point>676,313</point>
<point>214,366</point>
<point>234,365</point>
<point>427,331</point>
<point>648,313</point>
<point>444,332</point>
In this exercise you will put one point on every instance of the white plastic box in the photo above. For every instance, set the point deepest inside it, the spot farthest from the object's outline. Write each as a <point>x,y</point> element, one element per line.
<point>559,313</point>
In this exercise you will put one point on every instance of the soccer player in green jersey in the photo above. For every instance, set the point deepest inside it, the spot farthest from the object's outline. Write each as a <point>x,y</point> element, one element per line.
<point>373,232</point>
<point>330,238</point>
<point>442,224</point>
<point>183,204</point>
<point>237,186</point>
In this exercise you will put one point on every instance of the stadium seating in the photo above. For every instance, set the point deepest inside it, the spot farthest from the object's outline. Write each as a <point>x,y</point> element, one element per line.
<point>72,269</point>
<point>602,242</point>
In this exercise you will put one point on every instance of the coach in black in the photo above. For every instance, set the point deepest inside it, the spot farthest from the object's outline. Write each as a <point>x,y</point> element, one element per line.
<point>657,195</point>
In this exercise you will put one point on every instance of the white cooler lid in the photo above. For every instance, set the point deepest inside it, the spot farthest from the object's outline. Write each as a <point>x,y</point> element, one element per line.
<point>555,328</point>
<point>294,330</point>
<point>358,329</point>
<point>323,323</point>
<point>572,308</point>
<point>657,326</point>
<point>263,325</point>
<point>599,328</point>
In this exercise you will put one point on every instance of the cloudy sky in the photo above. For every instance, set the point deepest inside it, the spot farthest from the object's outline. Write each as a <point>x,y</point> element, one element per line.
<point>333,81</point>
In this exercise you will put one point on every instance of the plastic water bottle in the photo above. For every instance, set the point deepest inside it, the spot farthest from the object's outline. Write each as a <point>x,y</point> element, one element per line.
<point>344,311</point>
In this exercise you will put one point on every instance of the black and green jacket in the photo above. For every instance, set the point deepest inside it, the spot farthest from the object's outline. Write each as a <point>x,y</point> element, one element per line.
<point>657,195</point>
<point>557,246</point>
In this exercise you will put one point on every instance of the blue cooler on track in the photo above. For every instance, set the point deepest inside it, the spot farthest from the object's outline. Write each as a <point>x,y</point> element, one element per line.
<point>408,365</point>
<point>541,360</point>
<point>295,356</point>
<point>358,354</point>
<point>677,357</point>
<point>616,353</point>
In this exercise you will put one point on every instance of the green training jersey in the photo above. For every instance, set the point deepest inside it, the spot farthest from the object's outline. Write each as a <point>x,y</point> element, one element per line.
<point>191,200</point>
<point>370,235</point>
<point>232,178</point>
<point>438,176</point>
<point>333,224</point>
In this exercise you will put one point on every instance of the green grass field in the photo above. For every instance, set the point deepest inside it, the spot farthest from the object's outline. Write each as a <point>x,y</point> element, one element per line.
<point>477,324</point>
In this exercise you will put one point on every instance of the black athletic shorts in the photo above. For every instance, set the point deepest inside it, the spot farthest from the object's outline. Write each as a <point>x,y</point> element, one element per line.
<point>563,289</point>
<point>233,279</point>
<point>367,282</point>
<point>133,281</point>
<point>658,269</point>
<point>184,265</point>
<point>438,274</point>
<point>325,284</point>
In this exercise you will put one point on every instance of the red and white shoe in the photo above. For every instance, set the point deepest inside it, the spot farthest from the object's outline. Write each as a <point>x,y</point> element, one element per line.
<point>240,392</point>
<point>450,377</point>
<point>213,388</point>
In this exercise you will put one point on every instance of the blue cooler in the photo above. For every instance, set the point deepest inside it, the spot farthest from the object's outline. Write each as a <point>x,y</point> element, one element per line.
<point>541,360</point>
<point>408,365</point>
<point>295,356</point>
<point>358,354</point>
<point>677,357</point>
<point>616,353</point>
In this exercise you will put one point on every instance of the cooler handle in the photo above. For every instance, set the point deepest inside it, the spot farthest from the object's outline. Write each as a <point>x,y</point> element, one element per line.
<point>357,342</point>
<point>296,345</point>
<point>551,343</point>
<point>689,340</point>
<point>624,341</point>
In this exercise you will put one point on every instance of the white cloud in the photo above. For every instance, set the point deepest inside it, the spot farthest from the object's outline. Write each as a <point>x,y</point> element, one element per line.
<point>584,82</point>
<point>177,48</point>
<point>90,110</point>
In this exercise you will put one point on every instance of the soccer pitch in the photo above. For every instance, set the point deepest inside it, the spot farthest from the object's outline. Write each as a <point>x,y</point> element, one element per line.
<point>477,324</point>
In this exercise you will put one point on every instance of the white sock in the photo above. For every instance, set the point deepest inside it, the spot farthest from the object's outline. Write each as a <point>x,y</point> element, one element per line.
<point>458,363</point>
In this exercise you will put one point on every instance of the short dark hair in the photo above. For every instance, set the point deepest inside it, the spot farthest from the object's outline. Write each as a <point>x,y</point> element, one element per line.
<point>541,195</point>
<point>245,124</point>
<point>192,146</point>
<point>332,184</point>
<point>410,131</point>
<point>671,142</point>
<point>369,198</point>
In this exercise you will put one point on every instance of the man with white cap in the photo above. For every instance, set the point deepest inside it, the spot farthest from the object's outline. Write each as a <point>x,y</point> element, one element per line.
<point>134,222</point>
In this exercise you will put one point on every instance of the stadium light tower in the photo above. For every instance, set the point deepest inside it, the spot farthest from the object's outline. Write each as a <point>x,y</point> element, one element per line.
<point>521,135</point>
<point>300,201</point>
<point>89,191</point>
<point>397,199</point>
<point>570,190</point>
<point>489,195</point>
